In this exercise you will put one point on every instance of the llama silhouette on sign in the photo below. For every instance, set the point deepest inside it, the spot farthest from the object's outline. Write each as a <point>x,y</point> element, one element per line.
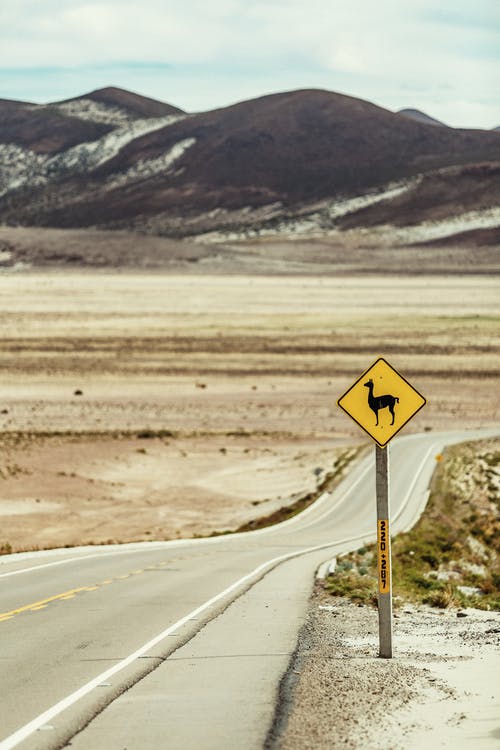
<point>380,402</point>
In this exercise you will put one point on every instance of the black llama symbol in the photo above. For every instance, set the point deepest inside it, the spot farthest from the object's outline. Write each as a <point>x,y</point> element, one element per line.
<point>380,402</point>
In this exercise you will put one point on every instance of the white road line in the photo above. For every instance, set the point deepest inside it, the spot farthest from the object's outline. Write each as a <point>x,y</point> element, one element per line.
<point>44,718</point>
<point>326,513</point>
<point>434,447</point>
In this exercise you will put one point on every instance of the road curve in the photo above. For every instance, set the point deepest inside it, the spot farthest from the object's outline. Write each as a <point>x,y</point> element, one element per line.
<point>211,622</point>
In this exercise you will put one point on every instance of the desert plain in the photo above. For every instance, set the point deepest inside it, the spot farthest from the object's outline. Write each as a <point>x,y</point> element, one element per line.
<point>149,405</point>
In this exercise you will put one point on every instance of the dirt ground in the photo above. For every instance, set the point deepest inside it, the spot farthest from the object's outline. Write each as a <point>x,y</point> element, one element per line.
<point>377,251</point>
<point>439,690</point>
<point>237,377</point>
<point>78,489</point>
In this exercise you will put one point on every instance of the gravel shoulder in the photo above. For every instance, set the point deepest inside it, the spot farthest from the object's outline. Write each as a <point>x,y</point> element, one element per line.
<point>438,691</point>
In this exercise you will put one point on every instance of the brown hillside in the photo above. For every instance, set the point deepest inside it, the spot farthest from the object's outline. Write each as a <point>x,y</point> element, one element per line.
<point>44,130</point>
<point>438,195</point>
<point>302,145</point>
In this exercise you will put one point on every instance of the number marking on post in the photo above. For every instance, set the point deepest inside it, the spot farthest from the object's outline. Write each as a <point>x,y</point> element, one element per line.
<point>384,557</point>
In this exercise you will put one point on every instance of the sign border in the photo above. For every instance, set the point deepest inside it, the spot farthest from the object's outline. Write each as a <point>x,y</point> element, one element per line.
<point>363,375</point>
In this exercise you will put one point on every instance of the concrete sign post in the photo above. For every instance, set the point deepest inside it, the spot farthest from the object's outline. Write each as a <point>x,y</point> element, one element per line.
<point>383,552</point>
<point>381,402</point>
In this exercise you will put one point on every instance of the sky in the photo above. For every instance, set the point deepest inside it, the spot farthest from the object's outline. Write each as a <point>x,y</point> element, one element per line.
<point>440,57</point>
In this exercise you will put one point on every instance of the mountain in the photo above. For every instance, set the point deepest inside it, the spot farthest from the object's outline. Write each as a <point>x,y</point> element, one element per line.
<point>44,130</point>
<point>133,104</point>
<point>250,165</point>
<point>298,146</point>
<point>416,114</point>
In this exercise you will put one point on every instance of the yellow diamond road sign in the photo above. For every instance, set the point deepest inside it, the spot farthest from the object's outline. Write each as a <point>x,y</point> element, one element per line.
<point>381,401</point>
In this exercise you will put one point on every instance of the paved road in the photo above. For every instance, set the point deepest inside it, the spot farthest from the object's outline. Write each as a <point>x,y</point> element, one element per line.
<point>212,623</point>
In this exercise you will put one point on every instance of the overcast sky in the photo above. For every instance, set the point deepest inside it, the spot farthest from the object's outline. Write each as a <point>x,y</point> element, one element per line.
<point>440,57</point>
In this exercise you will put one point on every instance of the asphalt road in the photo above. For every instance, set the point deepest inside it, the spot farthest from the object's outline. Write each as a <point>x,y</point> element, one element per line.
<point>179,644</point>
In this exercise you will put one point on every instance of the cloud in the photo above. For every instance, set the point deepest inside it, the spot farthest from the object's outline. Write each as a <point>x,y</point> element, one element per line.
<point>354,32</point>
<point>385,51</point>
<point>77,32</point>
<point>482,14</point>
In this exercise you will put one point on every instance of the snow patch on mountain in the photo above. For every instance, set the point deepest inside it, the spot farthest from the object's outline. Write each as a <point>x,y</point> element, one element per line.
<point>150,167</point>
<point>319,223</point>
<point>466,222</point>
<point>87,156</point>
<point>87,109</point>
<point>347,206</point>
<point>19,166</point>
<point>313,222</point>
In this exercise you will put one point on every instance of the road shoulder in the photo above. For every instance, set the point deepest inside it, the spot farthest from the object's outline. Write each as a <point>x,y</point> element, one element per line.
<point>220,688</point>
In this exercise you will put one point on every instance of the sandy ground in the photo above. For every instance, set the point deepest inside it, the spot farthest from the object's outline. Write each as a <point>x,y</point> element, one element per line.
<point>439,691</point>
<point>59,490</point>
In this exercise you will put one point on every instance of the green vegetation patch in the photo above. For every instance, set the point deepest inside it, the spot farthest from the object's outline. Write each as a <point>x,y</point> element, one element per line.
<point>451,557</point>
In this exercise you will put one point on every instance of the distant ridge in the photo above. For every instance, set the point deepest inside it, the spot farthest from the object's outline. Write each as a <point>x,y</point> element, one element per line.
<point>137,104</point>
<point>416,114</point>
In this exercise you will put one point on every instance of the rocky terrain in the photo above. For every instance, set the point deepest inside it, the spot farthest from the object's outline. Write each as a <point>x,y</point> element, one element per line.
<point>296,163</point>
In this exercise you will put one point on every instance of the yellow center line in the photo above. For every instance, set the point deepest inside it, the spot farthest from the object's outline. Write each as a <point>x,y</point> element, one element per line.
<point>41,603</point>
<point>35,606</point>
